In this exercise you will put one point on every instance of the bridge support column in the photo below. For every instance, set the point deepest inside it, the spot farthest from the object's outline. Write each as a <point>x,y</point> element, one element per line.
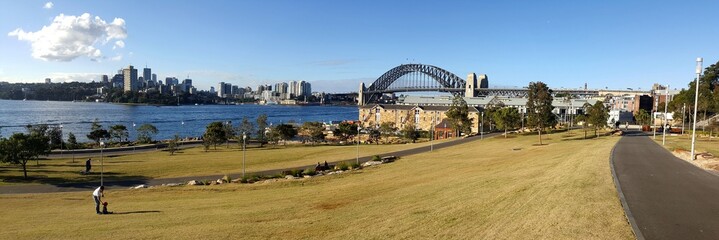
<point>470,85</point>
<point>360,95</point>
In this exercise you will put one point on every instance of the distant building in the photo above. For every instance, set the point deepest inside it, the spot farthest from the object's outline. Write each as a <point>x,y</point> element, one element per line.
<point>154,77</point>
<point>105,79</point>
<point>130,78</point>
<point>212,90</point>
<point>48,80</point>
<point>147,74</point>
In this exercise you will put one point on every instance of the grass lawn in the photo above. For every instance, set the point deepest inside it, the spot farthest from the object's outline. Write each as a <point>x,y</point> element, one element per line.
<point>489,189</point>
<point>191,162</point>
<point>703,144</point>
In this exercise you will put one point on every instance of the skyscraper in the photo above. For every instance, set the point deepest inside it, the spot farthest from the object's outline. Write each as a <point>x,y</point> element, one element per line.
<point>130,78</point>
<point>146,74</point>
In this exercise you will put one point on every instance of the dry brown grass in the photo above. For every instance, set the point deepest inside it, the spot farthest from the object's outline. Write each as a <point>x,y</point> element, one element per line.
<point>480,190</point>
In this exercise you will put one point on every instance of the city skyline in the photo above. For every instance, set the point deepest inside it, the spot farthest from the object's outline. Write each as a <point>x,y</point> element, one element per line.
<point>336,45</point>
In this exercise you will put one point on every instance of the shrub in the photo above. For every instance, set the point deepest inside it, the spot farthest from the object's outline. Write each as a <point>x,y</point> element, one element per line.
<point>296,172</point>
<point>309,171</point>
<point>355,165</point>
<point>376,158</point>
<point>343,166</point>
<point>227,178</point>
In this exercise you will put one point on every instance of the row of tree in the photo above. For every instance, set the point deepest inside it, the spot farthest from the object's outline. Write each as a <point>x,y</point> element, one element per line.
<point>682,104</point>
<point>20,148</point>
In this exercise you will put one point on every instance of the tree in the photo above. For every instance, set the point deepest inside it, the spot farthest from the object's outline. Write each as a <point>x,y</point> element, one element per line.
<point>410,132</point>
<point>507,118</point>
<point>387,129</point>
<point>118,132</point>
<point>97,132</point>
<point>21,148</point>
<point>246,127</point>
<point>215,134</point>
<point>583,118</point>
<point>374,135</point>
<point>313,131</point>
<point>54,133</point>
<point>229,132</point>
<point>71,141</point>
<point>458,116</point>
<point>642,117</point>
<point>172,144</point>
<point>598,116</point>
<point>145,133</point>
<point>261,127</point>
<point>344,130</point>
<point>539,107</point>
<point>286,131</point>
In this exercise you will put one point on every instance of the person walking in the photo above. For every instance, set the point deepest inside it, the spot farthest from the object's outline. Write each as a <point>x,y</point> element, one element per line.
<point>97,195</point>
<point>88,165</point>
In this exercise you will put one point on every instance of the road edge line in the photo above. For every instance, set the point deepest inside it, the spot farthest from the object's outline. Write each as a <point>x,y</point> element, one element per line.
<point>627,213</point>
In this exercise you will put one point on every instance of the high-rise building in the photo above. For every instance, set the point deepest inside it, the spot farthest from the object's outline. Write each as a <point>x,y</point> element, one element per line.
<point>154,77</point>
<point>130,78</point>
<point>304,89</point>
<point>212,90</point>
<point>221,89</point>
<point>292,89</point>
<point>146,74</point>
<point>105,79</point>
<point>48,80</point>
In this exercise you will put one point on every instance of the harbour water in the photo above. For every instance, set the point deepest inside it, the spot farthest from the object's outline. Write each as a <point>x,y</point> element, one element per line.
<point>186,121</point>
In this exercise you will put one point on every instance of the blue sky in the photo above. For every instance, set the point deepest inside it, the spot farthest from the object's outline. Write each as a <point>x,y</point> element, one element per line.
<point>337,44</point>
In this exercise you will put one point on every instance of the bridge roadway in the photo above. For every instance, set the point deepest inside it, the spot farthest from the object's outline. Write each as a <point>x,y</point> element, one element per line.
<point>88,186</point>
<point>664,197</point>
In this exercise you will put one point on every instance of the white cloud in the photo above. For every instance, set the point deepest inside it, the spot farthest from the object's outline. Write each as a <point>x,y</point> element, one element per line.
<point>48,5</point>
<point>70,37</point>
<point>118,44</point>
<point>71,77</point>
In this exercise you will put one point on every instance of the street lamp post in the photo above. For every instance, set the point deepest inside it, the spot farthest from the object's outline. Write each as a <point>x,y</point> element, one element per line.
<point>244,153</point>
<point>654,118</point>
<point>102,163</point>
<point>665,122</point>
<point>431,134</point>
<point>183,131</point>
<point>358,141</point>
<point>481,128</point>
<point>696,100</point>
<point>134,144</point>
<point>684,110</point>
<point>61,140</point>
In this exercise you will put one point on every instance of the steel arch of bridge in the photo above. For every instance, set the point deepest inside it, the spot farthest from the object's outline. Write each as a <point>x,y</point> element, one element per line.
<point>446,79</point>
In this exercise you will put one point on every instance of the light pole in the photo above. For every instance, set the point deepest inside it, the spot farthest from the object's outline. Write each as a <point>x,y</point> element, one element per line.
<point>696,100</point>
<point>431,134</point>
<point>183,130</point>
<point>654,117</point>
<point>244,153</point>
<point>664,122</point>
<point>481,128</point>
<point>684,110</point>
<point>358,141</point>
<point>61,140</point>
<point>134,144</point>
<point>102,163</point>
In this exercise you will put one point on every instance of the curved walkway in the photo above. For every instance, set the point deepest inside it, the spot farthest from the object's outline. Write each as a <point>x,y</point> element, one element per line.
<point>70,187</point>
<point>666,197</point>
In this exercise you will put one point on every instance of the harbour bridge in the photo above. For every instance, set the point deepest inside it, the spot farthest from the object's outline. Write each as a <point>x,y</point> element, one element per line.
<point>417,77</point>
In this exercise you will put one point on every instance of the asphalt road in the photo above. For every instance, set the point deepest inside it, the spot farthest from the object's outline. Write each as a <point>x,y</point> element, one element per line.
<point>87,186</point>
<point>667,197</point>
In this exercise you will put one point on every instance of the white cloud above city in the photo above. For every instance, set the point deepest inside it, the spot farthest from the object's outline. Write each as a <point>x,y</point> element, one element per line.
<point>69,37</point>
<point>48,5</point>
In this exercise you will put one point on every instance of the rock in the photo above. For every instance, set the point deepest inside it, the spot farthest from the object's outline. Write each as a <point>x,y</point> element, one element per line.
<point>290,177</point>
<point>194,182</point>
<point>172,184</point>
<point>139,186</point>
<point>307,176</point>
<point>371,163</point>
<point>704,156</point>
<point>220,181</point>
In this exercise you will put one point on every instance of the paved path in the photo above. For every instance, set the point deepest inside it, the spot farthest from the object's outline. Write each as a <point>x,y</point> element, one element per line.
<point>668,198</point>
<point>47,188</point>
